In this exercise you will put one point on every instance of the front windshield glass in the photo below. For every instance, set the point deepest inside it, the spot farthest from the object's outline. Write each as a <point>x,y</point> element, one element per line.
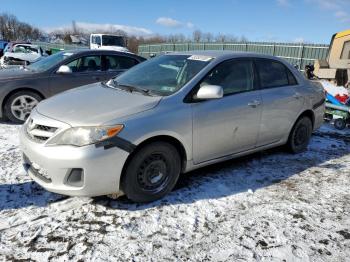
<point>25,49</point>
<point>112,40</point>
<point>48,62</point>
<point>163,75</point>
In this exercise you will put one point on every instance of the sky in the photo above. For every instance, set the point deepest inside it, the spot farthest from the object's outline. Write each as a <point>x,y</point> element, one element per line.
<point>312,21</point>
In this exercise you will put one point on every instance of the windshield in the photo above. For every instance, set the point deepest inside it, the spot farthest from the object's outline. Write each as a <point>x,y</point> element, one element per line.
<point>112,40</point>
<point>163,75</point>
<point>48,62</point>
<point>25,49</point>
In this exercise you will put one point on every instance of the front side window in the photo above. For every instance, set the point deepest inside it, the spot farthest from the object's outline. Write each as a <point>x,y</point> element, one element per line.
<point>234,76</point>
<point>85,64</point>
<point>119,63</point>
<point>274,74</point>
<point>96,40</point>
<point>346,51</point>
<point>25,49</point>
<point>165,74</point>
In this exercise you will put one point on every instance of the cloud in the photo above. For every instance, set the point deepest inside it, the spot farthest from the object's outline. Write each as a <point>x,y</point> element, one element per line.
<point>93,28</point>
<point>336,7</point>
<point>342,16</point>
<point>299,40</point>
<point>189,25</point>
<point>283,2</point>
<point>170,22</point>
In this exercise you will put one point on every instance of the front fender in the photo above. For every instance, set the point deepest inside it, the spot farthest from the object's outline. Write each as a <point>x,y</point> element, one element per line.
<point>163,120</point>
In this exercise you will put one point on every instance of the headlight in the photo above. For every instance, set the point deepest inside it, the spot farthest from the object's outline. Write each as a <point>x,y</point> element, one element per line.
<point>81,136</point>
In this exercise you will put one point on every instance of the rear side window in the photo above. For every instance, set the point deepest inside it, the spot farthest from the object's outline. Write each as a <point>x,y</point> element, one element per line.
<point>119,63</point>
<point>274,74</point>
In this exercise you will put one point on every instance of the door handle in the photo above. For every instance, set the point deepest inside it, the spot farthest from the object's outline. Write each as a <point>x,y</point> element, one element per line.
<point>254,103</point>
<point>96,78</point>
<point>297,95</point>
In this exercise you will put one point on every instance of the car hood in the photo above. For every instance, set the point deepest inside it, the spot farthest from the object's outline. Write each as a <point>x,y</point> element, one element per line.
<point>10,74</point>
<point>30,57</point>
<point>95,104</point>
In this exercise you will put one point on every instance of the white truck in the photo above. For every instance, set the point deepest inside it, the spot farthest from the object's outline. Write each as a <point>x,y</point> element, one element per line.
<point>108,42</point>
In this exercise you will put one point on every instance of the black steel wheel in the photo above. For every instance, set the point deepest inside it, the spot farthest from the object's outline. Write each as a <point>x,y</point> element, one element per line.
<point>339,123</point>
<point>152,172</point>
<point>300,135</point>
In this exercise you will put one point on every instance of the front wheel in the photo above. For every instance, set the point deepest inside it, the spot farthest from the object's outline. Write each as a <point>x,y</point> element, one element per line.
<point>19,105</point>
<point>152,172</point>
<point>300,135</point>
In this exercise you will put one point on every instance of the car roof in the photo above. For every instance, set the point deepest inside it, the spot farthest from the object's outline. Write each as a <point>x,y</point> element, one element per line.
<point>30,45</point>
<point>18,42</point>
<point>101,52</point>
<point>224,54</point>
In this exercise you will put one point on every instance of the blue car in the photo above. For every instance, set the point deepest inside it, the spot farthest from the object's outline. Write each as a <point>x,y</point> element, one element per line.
<point>3,44</point>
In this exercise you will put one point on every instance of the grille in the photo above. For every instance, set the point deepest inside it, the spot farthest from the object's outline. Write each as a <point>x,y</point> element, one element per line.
<point>41,138</point>
<point>39,133</point>
<point>46,128</point>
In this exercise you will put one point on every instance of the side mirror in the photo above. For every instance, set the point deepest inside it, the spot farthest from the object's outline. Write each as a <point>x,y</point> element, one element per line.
<point>210,92</point>
<point>63,69</point>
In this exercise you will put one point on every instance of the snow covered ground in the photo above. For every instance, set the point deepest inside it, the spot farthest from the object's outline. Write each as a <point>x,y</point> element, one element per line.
<point>271,206</point>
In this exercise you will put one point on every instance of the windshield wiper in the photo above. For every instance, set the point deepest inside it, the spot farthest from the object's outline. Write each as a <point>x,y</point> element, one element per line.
<point>131,88</point>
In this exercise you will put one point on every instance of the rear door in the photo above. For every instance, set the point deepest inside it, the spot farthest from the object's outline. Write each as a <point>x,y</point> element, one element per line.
<point>281,100</point>
<point>85,70</point>
<point>116,64</point>
<point>231,124</point>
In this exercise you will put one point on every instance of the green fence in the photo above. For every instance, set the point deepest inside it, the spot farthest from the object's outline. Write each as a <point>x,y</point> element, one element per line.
<point>296,54</point>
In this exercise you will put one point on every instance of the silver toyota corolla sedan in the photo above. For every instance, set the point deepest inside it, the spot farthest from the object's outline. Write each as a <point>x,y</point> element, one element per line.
<point>136,133</point>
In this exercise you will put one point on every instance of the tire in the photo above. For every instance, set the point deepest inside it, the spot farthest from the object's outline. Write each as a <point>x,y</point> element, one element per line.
<point>300,135</point>
<point>339,123</point>
<point>152,172</point>
<point>19,105</point>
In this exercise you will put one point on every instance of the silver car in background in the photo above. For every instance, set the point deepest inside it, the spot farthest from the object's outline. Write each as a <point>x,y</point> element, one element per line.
<point>136,133</point>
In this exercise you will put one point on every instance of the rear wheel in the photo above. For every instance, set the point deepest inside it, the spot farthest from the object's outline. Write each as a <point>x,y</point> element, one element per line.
<point>152,172</point>
<point>300,135</point>
<point>339,123</point>
<point>19,105</point>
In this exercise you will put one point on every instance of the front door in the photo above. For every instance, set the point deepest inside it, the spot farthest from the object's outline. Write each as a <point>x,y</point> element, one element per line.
<point>231,124</point>
<point>85,70</point>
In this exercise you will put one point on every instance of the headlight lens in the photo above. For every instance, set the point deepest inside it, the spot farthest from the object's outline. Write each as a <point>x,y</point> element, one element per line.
<point>82,136</point>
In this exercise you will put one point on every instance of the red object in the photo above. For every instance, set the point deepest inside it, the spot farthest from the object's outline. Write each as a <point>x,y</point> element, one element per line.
<point>342,98</point>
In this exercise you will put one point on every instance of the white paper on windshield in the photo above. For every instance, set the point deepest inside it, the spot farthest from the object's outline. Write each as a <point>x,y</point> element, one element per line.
<point>200,58</point>
<point>68,54</point>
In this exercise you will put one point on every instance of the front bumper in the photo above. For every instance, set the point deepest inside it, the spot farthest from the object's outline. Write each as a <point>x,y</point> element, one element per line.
<point>101,167</point>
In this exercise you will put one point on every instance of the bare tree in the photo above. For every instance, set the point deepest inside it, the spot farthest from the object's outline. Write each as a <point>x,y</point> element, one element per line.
<point>208,37</point>
<point>176,38</point>
<point>243,39</point>
<point>220,38</point>
<point>75,28</point>
<point>12,29</point>
<point>197,35</point>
